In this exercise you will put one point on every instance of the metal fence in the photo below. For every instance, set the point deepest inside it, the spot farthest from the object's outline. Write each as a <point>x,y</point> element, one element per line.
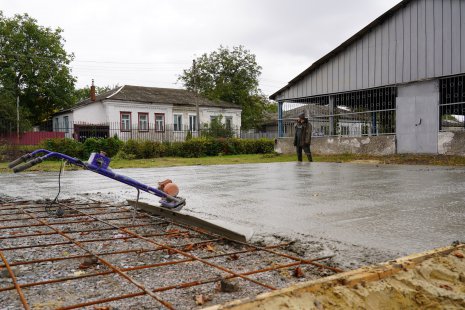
<point>452,103</point>
<point>83,131</point>
<point>358,113</point>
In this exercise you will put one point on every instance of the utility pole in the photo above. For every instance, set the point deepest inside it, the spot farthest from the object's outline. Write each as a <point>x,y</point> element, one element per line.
<point>197,118</point>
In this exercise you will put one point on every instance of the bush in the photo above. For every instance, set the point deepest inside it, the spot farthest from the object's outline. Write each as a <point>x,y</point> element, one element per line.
<point>134,149</point>
<point>194,148</point>
<point>110,146</point>
<point>66,146</point>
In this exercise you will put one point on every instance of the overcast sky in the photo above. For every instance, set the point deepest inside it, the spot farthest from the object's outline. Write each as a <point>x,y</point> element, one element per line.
<point>149,43</point>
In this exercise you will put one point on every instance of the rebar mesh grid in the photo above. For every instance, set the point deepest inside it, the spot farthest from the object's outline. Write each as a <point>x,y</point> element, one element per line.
<point>98,256</point>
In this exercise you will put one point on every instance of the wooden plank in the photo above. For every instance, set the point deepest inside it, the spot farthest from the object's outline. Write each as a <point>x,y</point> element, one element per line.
<point>182,218</point>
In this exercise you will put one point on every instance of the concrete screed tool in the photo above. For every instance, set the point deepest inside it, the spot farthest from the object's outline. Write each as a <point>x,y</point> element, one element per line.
<point>99,163</point>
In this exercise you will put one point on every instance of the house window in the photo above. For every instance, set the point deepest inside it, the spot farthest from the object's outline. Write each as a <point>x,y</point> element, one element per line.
<point>213,118</point>
<point>177,122</point>
<point>143,122</point>
<point>57,124</point>
<point>66,121</point>
<point>192,122</point>
<point>125,121</point>
<point>159,122</point>
<point>229,124</point>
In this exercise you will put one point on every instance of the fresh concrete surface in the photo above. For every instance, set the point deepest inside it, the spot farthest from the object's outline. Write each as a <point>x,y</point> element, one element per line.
<point>394,208</point>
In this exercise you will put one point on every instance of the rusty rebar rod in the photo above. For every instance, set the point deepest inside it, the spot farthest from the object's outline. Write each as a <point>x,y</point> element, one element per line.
<point>15,283</point>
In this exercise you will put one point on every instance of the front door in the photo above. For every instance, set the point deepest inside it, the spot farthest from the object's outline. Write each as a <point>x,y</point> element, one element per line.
<point>417,124</point>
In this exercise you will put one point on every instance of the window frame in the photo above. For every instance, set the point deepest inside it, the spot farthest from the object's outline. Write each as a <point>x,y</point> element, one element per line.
<point>230,119</point>
<point>162,129</point>
<point>139,114</point>
<point>193,125</point>
<point>66,123</point>
<point>121,113</point>
<point>174,123</point>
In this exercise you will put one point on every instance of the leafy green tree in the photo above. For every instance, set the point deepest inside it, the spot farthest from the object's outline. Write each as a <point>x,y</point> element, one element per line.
<point>34,66</point>
<point>230,75</point>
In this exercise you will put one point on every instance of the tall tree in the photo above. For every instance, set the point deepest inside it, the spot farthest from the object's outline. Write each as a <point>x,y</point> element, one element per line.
<point>231,75</point>
<point>34,66</point>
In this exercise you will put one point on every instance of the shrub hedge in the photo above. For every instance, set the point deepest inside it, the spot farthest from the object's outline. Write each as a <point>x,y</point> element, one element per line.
<point>135,149</point>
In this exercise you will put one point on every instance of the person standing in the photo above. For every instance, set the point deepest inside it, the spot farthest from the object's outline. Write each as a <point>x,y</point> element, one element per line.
<point>303,137</point>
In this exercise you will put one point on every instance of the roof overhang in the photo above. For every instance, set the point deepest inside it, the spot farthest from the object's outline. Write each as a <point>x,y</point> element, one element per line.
<point>341,47</point>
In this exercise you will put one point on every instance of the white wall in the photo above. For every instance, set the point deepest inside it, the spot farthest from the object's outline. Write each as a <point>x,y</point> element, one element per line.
<point>113,111</point>
<point>91,114</point>
<point>110,112</point>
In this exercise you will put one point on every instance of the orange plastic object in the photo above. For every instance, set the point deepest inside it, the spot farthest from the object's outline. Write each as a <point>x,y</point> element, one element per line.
<point>171,189</point>
<point>168,187</point>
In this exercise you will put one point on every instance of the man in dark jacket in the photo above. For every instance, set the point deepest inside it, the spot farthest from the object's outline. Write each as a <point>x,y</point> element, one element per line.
<point>303,137</point>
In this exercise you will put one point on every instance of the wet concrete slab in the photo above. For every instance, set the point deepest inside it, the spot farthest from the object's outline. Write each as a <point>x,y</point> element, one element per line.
<point>397,208</point>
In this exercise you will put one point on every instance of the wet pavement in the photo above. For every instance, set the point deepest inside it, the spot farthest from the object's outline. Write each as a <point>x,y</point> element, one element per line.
<point>396,208</point>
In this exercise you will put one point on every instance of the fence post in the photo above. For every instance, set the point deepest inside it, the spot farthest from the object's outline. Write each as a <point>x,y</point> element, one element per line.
<point>280,119</point>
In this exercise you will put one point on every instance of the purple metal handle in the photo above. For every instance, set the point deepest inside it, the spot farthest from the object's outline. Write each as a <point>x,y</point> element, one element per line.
<point>169,201</point>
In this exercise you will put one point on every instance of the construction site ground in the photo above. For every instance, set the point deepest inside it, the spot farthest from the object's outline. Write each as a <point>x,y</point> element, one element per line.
<point>431,280</point>
<point>348,215</point>
<point>96,255</point>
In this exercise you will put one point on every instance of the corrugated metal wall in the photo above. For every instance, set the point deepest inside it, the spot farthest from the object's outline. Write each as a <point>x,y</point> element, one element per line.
<point>424,39</point>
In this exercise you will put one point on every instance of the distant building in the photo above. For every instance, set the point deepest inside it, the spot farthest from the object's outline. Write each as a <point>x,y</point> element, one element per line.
<point>404,73</point>
<point>347,124</point>
<point>136,112</point>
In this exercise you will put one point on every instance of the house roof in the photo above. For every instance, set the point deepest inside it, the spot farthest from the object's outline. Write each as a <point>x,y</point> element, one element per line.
<point>154,95</point>
<point>343,46</point>
<point>312,111</point>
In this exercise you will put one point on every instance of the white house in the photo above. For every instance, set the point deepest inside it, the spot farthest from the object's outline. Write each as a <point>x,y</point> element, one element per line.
<point>136,112</point>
